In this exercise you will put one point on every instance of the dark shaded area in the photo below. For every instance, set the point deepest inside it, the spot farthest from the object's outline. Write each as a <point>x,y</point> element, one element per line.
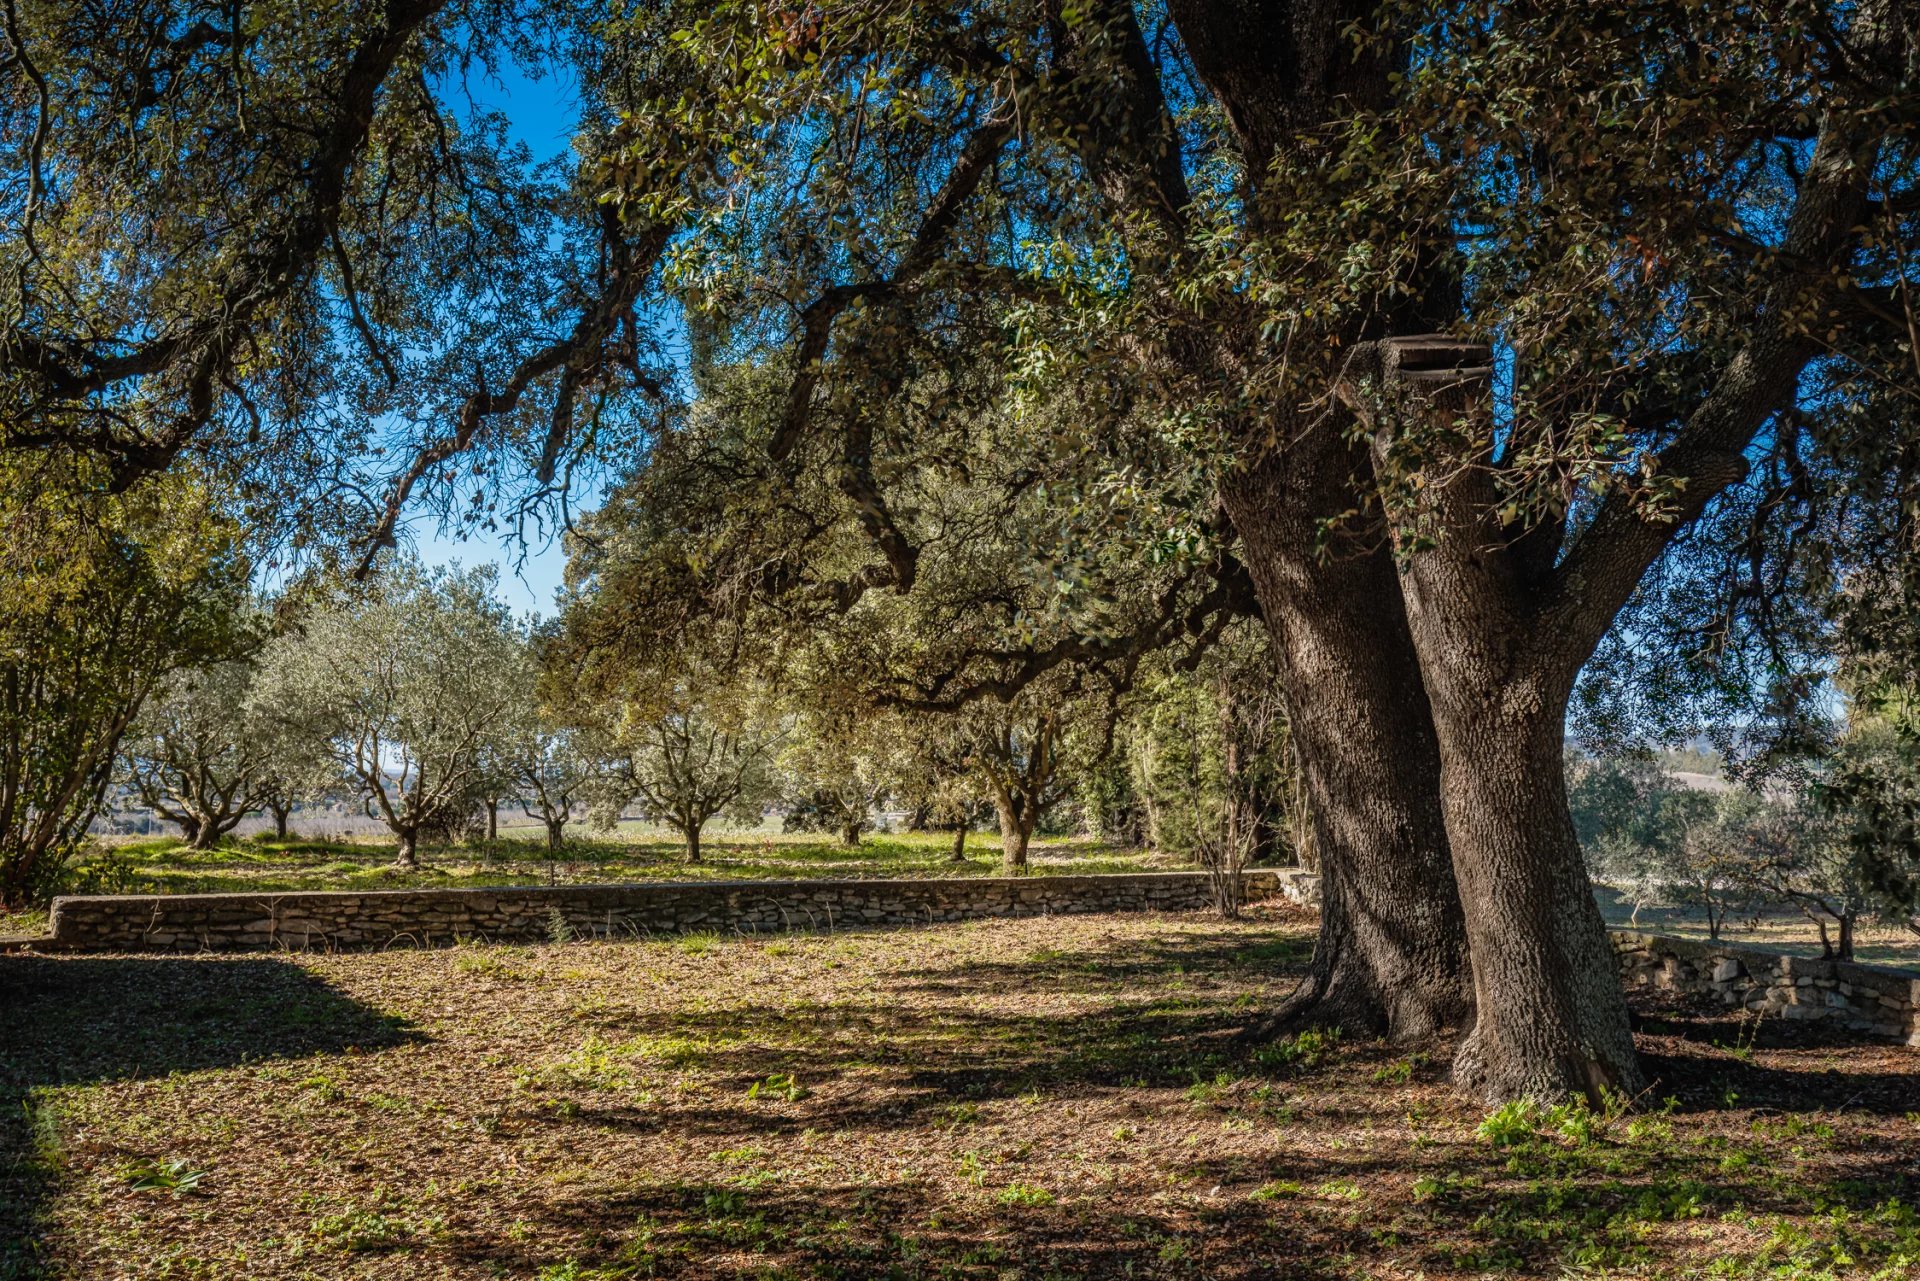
<point>81,1020</point>
<point>1702,1054</point>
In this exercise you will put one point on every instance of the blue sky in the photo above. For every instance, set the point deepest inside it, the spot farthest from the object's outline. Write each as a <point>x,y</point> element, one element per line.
<point>542,114</point>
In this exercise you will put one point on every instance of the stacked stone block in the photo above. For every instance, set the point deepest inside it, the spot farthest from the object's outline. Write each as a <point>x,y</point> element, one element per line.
<point>334,920</point>
<point>1873,1001</point>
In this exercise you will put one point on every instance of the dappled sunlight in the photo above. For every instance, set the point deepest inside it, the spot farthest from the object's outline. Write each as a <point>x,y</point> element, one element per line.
<point>1035,1097</point>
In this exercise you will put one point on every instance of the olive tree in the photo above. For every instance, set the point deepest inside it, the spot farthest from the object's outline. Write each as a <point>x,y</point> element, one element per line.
<point>198,756</point>
<point>690,760</point>
<point>403,686</point>
<point>840,765</point>
<point>554,775</point>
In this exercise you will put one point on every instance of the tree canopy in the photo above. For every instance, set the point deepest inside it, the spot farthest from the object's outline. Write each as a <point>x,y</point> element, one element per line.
<point>1479,349</point>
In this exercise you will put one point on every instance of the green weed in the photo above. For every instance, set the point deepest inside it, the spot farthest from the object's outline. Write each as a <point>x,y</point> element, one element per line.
<point>150,1174</point>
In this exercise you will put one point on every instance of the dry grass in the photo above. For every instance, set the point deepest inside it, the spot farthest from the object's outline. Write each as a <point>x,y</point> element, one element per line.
<point>1015,1099</point>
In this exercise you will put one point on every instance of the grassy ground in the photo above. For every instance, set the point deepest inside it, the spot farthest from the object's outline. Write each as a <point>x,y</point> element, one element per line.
<point>634,853</point>
<point>1045,1098</point>
<point>1875,942</point>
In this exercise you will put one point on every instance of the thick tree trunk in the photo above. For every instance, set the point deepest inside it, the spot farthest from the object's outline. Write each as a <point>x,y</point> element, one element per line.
<point>691,831</point>
<point>1552,1020</point>
<point>1392,952</point>
<point>194,832</point>
<point>850,830</point>
<point>556,835</point>
<point>406,855</point>
<point>1016,832</point>
<point>279,813</point>
<point>218,826</point>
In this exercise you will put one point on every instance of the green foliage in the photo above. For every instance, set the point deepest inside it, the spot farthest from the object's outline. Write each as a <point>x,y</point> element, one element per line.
<point>292,251</point>
<point>106,597</point>
<point>202,755</point>
<point>1026,1195</point>
<point>176,1177</point>
<point>1306,1049</point>
<point>1510,1124</point>
<point>780,1085</point>
<point>404,685</point>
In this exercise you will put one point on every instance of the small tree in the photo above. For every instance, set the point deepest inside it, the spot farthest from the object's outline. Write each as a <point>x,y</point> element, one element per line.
<point>938,777</point>
<point>402,688</point>
<point>554,775</point>
<point>1871,791</point>
<point>196,757</point>
<point>1653,840</point>
<point>839,767</point>
<point>1796,854</point>
<point>1704,845</point>
<point>1023,752</point>
<point>692,762</point>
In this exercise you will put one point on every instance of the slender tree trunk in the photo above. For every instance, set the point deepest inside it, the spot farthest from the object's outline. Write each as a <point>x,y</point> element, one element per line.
<point>556,832</point>
<point>406,855</point>
<point>1392,953</point>
<point>959,854</point>
<point>1845,951</point>
<point>279,813</point>
<point>493,818</point>
<point>691,831</point>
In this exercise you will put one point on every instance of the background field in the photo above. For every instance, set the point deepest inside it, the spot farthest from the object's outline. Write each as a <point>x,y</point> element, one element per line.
<point>639,851</point>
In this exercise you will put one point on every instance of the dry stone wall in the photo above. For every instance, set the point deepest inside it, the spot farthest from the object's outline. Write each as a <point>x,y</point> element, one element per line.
<point>1873,1001</point>
<point>328,920</point>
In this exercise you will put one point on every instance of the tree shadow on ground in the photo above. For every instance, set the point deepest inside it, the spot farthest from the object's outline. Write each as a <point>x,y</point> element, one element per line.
<point>1709,1057</point>
<point>70,1021</point>
<point>854,1227</point>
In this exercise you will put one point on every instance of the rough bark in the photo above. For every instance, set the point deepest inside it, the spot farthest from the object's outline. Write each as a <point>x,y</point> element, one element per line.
<point>1392,952</point>
<point>556,835</point>
<point>280,814</point>
<point>959,843</point>
<point>691,831</point>
<point>1016,832</point>
<point>406,855</point>
<point>1552,1020</point>
<point>493,818</point>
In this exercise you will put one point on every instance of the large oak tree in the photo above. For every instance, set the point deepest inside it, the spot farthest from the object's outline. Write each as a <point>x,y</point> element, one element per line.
<point>1425,330</point>
<point>1469,310</point>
